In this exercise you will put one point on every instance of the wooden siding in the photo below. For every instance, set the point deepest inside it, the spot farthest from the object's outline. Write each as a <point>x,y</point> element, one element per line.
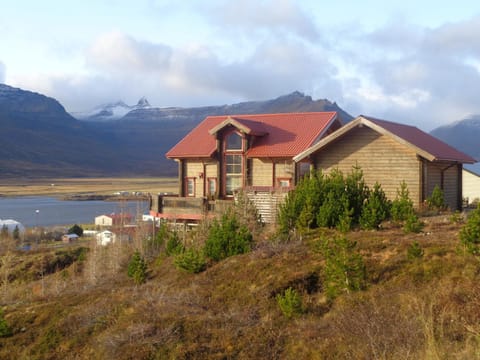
<point>381,159</point>
<point>266,203</point>
<point>284,169</point>
<point>446,176</point>
<point>261,172</point>
<point>471,186</point>
<point>193,169</point>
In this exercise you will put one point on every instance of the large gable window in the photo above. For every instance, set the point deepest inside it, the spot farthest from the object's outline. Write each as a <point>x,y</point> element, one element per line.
<point>233,142</point>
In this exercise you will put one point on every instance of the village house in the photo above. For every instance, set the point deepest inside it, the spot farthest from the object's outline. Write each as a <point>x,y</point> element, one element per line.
<point>471,187</point>
<point>254,153</point>
<point>390,153</point>
<point>108,220</point>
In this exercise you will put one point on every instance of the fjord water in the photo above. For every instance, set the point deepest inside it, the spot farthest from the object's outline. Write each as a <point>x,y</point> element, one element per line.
<point>48,211</point>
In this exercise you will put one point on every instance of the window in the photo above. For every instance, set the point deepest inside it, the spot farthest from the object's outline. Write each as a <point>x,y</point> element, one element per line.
<point>212,186</point>
<point>190,186</point>
<point>284,182</point>
<point>234,142</point>
<point>233,173</point>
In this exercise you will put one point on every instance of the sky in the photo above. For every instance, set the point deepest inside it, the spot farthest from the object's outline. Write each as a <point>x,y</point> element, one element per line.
<point>410,61</point>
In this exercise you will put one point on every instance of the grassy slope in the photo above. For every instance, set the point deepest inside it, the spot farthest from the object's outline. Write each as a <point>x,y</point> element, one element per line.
<point>427,308</point>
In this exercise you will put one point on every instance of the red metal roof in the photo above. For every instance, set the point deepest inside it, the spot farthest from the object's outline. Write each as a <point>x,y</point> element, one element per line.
<point>426,142</point>
<point>280,135</point>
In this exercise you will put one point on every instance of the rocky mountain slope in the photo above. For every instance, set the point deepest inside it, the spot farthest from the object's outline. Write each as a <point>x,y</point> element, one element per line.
<point>39,138</point>
<point>463,135</point>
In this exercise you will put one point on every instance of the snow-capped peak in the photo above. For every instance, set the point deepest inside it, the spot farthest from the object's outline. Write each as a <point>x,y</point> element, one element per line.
<point>112,111</point>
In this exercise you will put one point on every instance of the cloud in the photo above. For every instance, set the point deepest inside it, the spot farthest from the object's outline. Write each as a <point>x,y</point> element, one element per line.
<point>115,51</point>
<point>250,17</point>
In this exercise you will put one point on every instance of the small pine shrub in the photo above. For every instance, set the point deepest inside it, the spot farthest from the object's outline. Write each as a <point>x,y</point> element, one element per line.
<point>402,206</point>
<point>412,224</point>
<point>470,233</point>
<point>227,238</point>
<point>290,303</point>
<point>137,268</point>
<point>415,251</point>
<point>174,246</point>
<point>344,267</point>
<point>456,217</point>
<point>436,201</point>
<point>5,329</point>
<point>191,260</point>
<point>375,209</point>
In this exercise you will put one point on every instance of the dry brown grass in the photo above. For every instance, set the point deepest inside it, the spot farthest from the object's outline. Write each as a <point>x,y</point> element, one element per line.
<point>54,187</point>
<point>426,308</point>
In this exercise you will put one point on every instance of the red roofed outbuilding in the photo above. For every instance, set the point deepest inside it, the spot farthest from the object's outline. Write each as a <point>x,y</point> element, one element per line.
<point>389,153</point>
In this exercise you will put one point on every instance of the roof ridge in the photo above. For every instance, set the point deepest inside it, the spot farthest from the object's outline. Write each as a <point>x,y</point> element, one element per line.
<point>275,114</point>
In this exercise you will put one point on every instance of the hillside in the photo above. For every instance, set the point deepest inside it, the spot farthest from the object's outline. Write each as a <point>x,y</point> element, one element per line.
<point>72,303</point>
<point>463,135</point>
<point>40,139</point>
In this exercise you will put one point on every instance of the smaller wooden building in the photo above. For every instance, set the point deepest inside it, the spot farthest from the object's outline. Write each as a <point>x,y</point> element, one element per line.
<point>389,153</point>
<point>471,186</point>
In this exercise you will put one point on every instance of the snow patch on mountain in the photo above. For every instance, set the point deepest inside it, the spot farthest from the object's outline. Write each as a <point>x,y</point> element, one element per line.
<point>112,111</point>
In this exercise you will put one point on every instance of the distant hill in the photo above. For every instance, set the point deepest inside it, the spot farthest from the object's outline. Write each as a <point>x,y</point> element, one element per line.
<point>40,139</point>
<point>463,135</point>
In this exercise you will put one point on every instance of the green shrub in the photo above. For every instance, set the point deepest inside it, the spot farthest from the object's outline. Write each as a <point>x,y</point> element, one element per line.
<point>191,260</point>
<point>375,209</point>
<point>5,329</point>
<point>402,206</point>
<point>76,229</point>
<point>174,245</point>
<point>436,200</point>
<point>137,268</point>
<point>344,267</point>
<point>470,233</point>
<point>412,224</point>
<point>290,303</point>
<point>227,238</point>
<point>415,251</point>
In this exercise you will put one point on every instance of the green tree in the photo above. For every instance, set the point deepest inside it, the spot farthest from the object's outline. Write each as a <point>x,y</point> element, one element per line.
<point>137,268</point>
<point>470,233</point>
<point>16,233</point>
<point>5,329</point>
<point>290,303</point>
<point>227,238</point>
<point>191,260</point>
<point>402,206</point>
<point>375,209</point>
<point>436,201</point>
<point>174,246</point>
<point>344,267</point>
<point>76,229</point>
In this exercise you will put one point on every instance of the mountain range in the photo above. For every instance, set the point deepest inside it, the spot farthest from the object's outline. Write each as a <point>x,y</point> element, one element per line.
<point>40,139</point>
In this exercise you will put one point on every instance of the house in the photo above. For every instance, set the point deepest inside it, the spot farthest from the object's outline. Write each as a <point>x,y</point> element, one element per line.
<point>68,238</point>
<point>106,237</point>
<point>471,186</point>
<point>389,153</point>
<point>113,219</point>
<point>224,154</point>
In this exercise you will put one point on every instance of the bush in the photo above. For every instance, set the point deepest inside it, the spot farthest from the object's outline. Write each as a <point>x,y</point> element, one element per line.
<point>344,267</point>
<point>76,229</point>
<point>137,268</point>
<point>436,201</point>
<point>412,224</point>
<point>290,303</point>
<point>174,245</point>
<point>415,251</point>
<point>227,238</point>
<point>402,206</point>
<point>191,260</point>
<point>5,329</point>
<point>470,233</point>
<point>375,209</point>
